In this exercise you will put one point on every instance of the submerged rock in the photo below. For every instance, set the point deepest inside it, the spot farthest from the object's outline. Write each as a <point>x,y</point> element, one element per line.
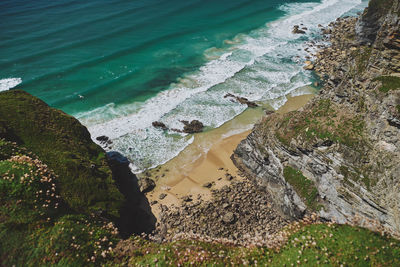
<point>242,100</point>
<point>158,124</point>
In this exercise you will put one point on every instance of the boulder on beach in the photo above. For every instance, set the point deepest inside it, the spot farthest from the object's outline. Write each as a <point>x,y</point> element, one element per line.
<point>208,185</point>
<point>162,196</point>
<point>309,65</point>
<point>146,185</point>
<point>228,218</point>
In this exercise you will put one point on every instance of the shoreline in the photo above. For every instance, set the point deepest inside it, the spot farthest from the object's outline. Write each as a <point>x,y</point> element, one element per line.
<point>205,164</point>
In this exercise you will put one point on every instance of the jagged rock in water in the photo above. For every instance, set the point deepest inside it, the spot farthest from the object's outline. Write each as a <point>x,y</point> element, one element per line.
<point>242,100</point>
<point>194,126</point>
<point>102,139</point>
<point>158,124</point>
<point>296,30</point>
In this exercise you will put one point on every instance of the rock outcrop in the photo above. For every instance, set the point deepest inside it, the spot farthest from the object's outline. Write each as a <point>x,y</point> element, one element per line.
<point>297,30</point>
<point>194,126</point>
<point>158,124</point>
<point>339,156</point>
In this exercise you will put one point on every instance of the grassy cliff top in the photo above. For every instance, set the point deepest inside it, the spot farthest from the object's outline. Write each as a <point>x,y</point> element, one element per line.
<point>306,245</point>
<point>61,142</point>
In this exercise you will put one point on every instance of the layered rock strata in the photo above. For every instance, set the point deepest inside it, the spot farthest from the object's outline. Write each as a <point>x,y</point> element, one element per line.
<point>339,156</point>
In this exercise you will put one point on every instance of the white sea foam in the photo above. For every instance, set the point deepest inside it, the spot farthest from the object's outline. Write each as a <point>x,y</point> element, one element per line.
<point>9,83</point>
<point>264,65</point>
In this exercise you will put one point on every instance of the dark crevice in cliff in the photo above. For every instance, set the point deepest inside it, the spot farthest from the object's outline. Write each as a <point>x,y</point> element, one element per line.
<point>135,214</point>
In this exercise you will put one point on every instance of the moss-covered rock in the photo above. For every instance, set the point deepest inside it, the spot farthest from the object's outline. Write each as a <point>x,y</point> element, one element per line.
<point>303,186</point>
<point>321,121</point>
<point>61,142</point>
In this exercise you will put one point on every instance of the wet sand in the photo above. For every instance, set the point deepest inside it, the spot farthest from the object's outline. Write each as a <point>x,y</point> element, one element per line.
<point>207,159</point>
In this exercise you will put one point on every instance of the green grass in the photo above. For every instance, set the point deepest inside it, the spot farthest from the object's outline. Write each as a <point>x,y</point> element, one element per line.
<point>60,141</point>
<point>388,83</point>
<point>322,121</point>
<point>332,246</point>
<point>311,245</point>
<point>303,186</point>
<point>37,227</point>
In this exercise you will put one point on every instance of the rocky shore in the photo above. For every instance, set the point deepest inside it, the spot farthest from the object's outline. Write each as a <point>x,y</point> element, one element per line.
<point>304,179</point>
<point>332,157</point>
<point>212,200</point>
<point>344,145</point>
<point>240,212</point>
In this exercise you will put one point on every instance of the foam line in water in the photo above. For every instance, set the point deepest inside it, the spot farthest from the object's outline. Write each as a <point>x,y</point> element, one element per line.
<point>264,65</point>
<point>9,83</point>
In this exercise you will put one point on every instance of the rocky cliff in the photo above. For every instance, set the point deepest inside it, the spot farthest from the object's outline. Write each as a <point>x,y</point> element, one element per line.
<point>339,156</point>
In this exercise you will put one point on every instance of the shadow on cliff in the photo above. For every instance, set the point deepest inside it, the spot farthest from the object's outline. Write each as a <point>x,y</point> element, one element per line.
<point>135,215</point>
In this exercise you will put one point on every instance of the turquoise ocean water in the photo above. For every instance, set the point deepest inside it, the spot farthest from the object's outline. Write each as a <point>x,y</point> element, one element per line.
<point>118,65</point>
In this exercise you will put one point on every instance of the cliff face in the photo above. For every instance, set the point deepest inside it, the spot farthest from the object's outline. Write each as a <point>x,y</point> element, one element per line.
<point>374,17</point>
<point>339,156</point>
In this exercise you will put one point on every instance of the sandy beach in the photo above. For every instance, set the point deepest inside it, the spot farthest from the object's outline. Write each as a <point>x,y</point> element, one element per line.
<point>206,163</point>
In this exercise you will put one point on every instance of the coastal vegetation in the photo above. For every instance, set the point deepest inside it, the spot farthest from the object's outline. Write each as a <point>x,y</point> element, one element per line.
<point>323,121</point>
<point>388,83</point>
<point>307,245</point>
<point>61,142</point>
<point>304,187</point>
<point>57,196</point>
<point>65,202</point>
<point>39,227</point>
